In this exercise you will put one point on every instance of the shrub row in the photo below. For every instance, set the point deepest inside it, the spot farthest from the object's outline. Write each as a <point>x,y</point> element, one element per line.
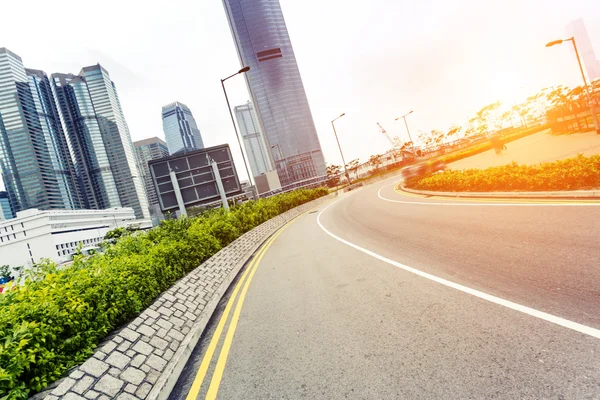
<point>55,319</point>
<point>571,174</point>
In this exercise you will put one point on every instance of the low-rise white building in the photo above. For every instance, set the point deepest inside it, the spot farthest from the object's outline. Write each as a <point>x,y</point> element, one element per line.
<point>55,234</point>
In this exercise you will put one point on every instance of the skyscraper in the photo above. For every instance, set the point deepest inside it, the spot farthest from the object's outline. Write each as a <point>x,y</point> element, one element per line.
<point>254,142</point>
<point>146,150</point>
<point>180,128</point>
<point>5,209</point>
<point>591,64</point>
<point>64,142</point>
<point>34,158</point>
<point>275,86</point>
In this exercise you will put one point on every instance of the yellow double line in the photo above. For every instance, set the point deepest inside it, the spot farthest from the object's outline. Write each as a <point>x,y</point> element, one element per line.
<point>243,283</point>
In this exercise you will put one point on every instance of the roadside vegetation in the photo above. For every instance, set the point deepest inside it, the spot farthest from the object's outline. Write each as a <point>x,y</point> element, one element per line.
<point>571,174</point>
<point>54,317</point>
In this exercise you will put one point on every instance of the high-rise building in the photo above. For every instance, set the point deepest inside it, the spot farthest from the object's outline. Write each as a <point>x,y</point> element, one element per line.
<point>5,209</point>
<point>146,150</point>
<point>591,64</point>
<point>180,128</point>
<point>275,86</point>
<point>64,142</point>
<point>102,149</point>
<point>254,142</point>
<point>34,158</point>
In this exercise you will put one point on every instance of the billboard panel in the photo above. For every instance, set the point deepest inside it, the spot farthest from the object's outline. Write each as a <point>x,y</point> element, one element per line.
<point>194,176</point>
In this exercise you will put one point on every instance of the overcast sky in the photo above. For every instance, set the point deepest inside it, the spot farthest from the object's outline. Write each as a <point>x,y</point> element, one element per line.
<point>372,60</point>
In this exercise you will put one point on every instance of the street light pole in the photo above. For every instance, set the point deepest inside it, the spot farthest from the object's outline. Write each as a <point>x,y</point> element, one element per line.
<point>406,123</point>
<point>585,83</point>
<point>287,177</point>
<point>245,69</point>
<point>340,147</point>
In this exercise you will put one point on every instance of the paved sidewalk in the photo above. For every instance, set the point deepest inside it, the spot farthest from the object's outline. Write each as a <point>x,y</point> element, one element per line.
<point>534,149</point>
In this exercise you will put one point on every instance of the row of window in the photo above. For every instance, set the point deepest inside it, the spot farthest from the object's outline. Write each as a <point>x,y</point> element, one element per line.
<point>70,246</point>
<point>7,237</point>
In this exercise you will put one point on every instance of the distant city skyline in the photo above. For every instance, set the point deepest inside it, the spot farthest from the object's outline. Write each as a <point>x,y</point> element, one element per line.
<point>374,63</point>
<point>180,129</point>
<point>253,138</point>
<point>275,85</point>
<point>64,141</point>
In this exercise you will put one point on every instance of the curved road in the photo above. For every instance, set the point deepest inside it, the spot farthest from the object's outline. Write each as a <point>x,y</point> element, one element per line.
<point>383,295</point>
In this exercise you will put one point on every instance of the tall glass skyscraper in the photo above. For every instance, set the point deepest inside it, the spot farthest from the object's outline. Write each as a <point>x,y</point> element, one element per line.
<point>275,86</point>
<point>146,150</point>
<point>254,142</point>
<point>64,142</point>
<point>180,128</point>
<point>34,158</point>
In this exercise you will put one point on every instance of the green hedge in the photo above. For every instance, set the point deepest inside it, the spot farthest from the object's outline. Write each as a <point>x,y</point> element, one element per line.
<point>58,316</point>
<point>571,174</point>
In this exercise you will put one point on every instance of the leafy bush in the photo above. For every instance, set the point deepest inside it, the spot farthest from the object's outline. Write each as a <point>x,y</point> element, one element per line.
<point>571,174</point>
<point>55,319</point>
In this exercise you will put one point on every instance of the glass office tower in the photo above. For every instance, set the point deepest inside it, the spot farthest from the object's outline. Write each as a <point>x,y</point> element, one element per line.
<point>89,153</point>
<point>117,140</point>
<point>146,150</point>
<point>180,129</point>
<point>34,157</point>
<point>275,86</point>
<point>254,142</point>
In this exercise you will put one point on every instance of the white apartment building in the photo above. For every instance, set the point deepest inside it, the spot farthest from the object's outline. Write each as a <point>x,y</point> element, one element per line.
<point>55,234</point>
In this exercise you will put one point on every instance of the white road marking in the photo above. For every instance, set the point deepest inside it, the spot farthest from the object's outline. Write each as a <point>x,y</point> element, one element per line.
<point>458,204</point>
<point>497,300</point>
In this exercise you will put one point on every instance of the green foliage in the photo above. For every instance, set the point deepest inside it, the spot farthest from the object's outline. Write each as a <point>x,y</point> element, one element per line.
<point>571,174</point>
<point>55,319</point>
<point>5,271</point>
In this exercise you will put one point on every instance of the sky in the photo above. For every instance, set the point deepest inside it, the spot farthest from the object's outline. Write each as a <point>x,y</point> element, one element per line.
<point>372,60</point>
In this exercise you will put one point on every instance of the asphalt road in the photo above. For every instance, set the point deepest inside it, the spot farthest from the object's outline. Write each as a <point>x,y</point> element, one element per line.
<point>379,295</point>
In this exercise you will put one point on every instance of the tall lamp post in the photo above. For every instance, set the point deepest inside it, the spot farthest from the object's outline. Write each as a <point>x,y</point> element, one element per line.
<point>585,84</point>
<point>287,177</point>
<point>340,147</point>
<point>405,123</point>
<point>241,71</point>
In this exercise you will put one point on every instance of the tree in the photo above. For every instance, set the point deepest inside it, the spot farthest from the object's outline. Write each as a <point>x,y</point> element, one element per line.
<point>5,272</point>
<point>353,165</point>
<point>375,161</point>
<point>333,175</point>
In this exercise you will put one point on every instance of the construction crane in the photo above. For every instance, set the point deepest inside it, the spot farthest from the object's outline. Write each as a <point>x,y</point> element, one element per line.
<point>397,144</point>
<point>395,141</point>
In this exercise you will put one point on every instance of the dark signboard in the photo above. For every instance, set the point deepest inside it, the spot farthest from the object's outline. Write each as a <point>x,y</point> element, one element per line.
<point>195,177</point>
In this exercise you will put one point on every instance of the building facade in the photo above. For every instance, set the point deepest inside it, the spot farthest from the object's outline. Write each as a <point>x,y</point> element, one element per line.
<point>263,43</point>
<point>591,64</point>
<point>180,129</point>
<point>146,150</point>
<point>254,141</point>
<point>35,162</point>
<point>56,234</point>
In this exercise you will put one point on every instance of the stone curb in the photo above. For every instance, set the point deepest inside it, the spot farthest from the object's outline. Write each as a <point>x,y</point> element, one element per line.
<point>144,359</point>
<point>571,194</point>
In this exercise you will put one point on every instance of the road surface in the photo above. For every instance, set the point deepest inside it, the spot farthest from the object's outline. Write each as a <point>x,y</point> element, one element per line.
<point>379,295</point>
<point>534,149</point>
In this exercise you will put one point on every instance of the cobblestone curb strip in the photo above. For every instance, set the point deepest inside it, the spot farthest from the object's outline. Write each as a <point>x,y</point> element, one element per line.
<point>144,359</point>
<point>567,194</point>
